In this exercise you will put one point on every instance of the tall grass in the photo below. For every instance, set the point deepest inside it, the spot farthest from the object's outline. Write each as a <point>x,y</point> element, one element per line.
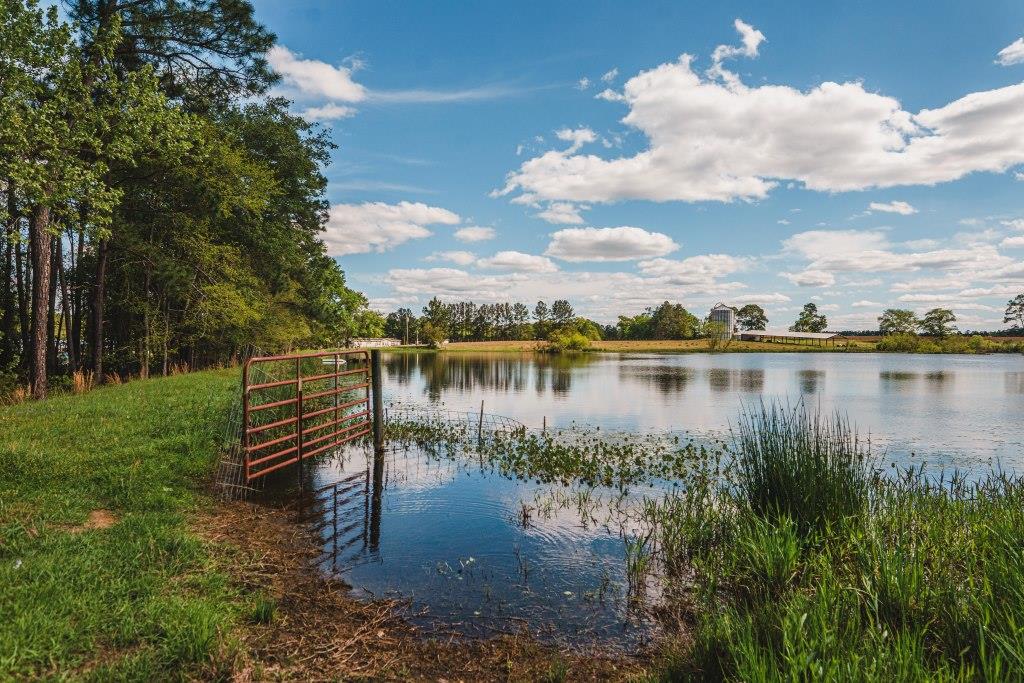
<point>817,570</point>
<point>808,467</point>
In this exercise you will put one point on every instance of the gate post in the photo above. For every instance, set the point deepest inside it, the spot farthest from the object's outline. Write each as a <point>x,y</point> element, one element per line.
<point>378,403</point>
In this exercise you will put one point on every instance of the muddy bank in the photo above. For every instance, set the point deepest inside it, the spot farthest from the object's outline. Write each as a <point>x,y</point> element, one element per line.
<point>315,630</point>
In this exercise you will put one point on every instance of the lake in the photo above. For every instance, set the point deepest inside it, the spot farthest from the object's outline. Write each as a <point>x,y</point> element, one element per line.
<point>941,410</point>
<point>477,553</point>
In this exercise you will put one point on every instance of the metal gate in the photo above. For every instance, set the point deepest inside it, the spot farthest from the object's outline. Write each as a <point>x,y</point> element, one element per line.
<point>297,406</point>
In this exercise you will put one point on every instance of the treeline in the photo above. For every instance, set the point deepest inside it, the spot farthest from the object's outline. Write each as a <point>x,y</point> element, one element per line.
<point>158,208</point>
<point>468,321</point>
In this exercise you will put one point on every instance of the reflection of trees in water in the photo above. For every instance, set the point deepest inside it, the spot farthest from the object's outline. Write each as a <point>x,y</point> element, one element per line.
<point>667,380</point>
<point>810,380</point>
<point>902,380</point>
<point>730,379</point>
<point>461,373</point>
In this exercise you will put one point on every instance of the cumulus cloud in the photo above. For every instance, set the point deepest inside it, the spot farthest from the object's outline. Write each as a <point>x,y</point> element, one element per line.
<point>583,83</point>
<point>1016,223</point>
<point>313,78</point>
<point>376,226</point>
<point>475,233</point>
<point>714,138</point>
<point>561,213</point>
<point>870,251</point>
<point>327,112</point>
<point>693,270</point>
<point>517,261</point>
<point>1012,53</point>
<point>610,76</point>
<point>810,278</point>
<point>608,244</point>
<point>577,136</point>
<point>462,258</point>
<point>902,208</point>
<point>864,303</point>
<point>1014,242</point>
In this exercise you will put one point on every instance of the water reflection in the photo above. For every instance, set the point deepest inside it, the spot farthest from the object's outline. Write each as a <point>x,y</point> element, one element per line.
<point>667,380</point>
<point>809,380</point>
<point>465,372</point>
<point>475,551</point>
<point>732,380</point>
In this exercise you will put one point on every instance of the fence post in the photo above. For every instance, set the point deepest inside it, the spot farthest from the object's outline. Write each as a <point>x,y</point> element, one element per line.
<point>378,402</point>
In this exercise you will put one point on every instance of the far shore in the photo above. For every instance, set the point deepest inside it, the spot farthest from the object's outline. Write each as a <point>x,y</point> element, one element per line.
<point>855,345</point>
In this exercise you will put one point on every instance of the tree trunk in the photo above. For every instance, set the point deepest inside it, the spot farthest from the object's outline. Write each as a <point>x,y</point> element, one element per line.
<point>67,311</point>
<point>77,295</point>
<point>97,310</point>
<point>39,239</point>
<point>51,315</point>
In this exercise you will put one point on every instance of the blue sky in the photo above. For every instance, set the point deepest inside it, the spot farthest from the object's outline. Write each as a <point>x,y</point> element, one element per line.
<point>858,155</point>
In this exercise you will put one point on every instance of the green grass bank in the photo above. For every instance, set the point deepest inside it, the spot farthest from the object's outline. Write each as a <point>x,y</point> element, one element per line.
<point>101,577</point>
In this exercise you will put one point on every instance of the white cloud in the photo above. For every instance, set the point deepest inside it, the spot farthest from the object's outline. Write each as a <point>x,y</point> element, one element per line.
<point>475,233</point>
<point>1016,223</point>
<point>610,76</point>
<point>608,244</point>
<point>327,112</point>
<point>577,136</point>
<point>713,138</point>
<point>1013,242</point>
<point>517,261</point>
<point>782,221</point>
<point>870,251</point>
<point>562,213</point>
<point>1019,175</point>
<point>313,78</point>
<point>705,268</point>
<point>376,226</point>
<point>1012,53</point>
<point>810,278</point>
<point>462,258</point>
<point>583,83</point>
<point>902,208</point>
<point>751,38</point>
<point>864,303</point>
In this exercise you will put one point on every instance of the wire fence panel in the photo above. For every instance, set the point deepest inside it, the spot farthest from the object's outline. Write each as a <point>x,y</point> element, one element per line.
<point>301,405</point>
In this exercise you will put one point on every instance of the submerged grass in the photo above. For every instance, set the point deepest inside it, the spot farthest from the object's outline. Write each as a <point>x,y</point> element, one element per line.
<point>808,566</point>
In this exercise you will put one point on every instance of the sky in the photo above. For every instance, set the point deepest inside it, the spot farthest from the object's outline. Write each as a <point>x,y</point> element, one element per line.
<point>861,156</point>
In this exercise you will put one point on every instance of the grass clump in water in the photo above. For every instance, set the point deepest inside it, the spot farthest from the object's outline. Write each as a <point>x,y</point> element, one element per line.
<point>808,468</point>
<point>852,576</point>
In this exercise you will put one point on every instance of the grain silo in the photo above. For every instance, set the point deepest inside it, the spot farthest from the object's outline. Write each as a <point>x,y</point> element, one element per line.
<point>725,315</point>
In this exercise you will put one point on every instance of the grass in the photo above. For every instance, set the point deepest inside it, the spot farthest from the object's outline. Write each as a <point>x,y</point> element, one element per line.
<point>140,596</point>
<point>805,566</point>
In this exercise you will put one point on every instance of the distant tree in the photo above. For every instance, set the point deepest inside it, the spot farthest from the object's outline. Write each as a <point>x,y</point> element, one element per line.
<point>752,317</point>
<point>635,327</point>
<point>401,324</point>
<point>433,335</point>
<point>1015,312</point>
<point>810,320</point>
<point>439,317</point>
<point>898,321</point>
<point>561,312</point>
<point>541,318</point>
<point>938,322</point>
<point>672,321</point>
<point>717,334</point>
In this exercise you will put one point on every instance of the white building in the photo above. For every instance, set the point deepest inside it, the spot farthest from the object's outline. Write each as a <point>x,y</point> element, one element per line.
<point>725,315</point>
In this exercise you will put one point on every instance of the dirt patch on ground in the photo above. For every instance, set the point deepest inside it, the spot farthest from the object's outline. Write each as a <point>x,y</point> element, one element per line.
<point>98,519</point>
<point>319,632</point>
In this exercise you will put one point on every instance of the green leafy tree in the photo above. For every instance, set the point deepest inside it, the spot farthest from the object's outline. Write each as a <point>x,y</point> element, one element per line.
<point>752,317</point>
<point>561,313</point>
<point>542,319</point>
<point>1015,312</point>
<point>938,322</point>
<point>898,321</point>
<point>672,321</point>
<point>810,320</point>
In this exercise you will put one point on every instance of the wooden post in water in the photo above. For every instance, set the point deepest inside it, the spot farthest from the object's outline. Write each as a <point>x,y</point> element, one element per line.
<point>480,424</point>
<point>378,403</point>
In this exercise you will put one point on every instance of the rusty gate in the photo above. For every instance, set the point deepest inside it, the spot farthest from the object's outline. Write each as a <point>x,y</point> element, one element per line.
<point>297,406</point>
